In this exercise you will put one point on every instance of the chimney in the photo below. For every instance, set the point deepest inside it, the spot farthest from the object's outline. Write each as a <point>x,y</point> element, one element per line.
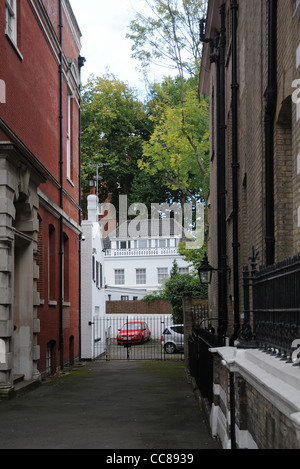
<point>92,207</point>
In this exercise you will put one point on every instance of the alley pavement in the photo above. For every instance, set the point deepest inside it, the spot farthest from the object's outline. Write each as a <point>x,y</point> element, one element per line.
<point>108,405</point>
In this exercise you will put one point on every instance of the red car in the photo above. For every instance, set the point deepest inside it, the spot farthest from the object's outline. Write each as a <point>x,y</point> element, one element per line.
<point>135,332</point>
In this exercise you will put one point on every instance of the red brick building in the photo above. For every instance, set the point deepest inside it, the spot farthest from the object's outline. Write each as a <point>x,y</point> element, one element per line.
<point>39,188</point>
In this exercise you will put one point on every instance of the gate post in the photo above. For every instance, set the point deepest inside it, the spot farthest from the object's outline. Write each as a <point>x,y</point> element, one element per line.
<point>188,329</point>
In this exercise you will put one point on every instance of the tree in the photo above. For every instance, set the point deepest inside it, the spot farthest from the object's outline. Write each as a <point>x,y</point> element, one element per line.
<point>179,144</point>
<point>114,126</point>
<point>169,35</point>
<point>178,147</point>
<point>193,256</point>
<point>174,288</point>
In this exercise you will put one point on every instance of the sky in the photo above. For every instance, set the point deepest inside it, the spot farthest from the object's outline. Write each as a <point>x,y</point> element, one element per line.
<point>104,24</point>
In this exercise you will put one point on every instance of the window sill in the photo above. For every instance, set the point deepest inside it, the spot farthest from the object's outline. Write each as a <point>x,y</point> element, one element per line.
<point>52,303</point>
<point>14,46</point>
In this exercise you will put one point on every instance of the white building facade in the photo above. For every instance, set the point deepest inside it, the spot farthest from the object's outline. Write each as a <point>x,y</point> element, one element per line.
<point>134,267</point>
<point>93,281</point>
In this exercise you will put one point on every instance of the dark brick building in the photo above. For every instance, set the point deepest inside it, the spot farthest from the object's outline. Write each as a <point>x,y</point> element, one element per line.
<point>39,188</point>
<point>251,60</point>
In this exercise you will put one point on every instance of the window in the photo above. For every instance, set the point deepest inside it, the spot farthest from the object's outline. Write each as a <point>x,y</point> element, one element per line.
<point>99,279</point>
<point>183,270</point>
<point>123,244</point>
<point>94,268</point>
<point>119,277</point>
<point>162,274</point>
<point>66,268</point>
<point>52,273</point>
<point>124,298</point>
<point>69,127</point>
<point>140,276</point>
<point>164,243</point>
<point>143,243</point>
<point>11,19</point>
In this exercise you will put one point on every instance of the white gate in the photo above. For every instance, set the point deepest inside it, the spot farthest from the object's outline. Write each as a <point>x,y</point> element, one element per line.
<point>109,346</point>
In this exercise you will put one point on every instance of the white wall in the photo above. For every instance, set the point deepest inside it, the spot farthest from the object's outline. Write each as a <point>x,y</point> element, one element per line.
<point>92,298</point>
<point>151,264</point>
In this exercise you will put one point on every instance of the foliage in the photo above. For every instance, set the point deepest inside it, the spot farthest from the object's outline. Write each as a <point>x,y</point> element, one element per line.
<point>193,256</point>
<point>169,35</point>
<point>178,147</point>
<point>114,125</point>
<point>179,144</point>
<point>174,288</point>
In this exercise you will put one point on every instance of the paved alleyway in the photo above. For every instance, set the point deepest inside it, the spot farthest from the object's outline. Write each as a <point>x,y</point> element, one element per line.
<point>108,405</point>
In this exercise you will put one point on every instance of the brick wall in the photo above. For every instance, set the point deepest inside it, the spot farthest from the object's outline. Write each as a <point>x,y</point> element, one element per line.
<point>252,67</point>
<point>30,119</point>
<point>255,415</point>
<point>138,307</point>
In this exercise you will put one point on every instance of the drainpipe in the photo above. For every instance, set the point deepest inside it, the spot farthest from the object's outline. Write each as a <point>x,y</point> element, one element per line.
<point>232,410</point>
<point>81,61</point>
<point>235,169</point>
<point>271,97</point>
<point>218,45</point>
<point>60,348</point>
<point>221,168</point>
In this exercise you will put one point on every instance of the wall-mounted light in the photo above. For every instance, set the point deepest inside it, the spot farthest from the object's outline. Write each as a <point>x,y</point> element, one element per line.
<point>205,271</point>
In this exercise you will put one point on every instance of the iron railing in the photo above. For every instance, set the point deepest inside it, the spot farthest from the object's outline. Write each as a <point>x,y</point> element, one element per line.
<point>273,308</point>
<point>276,305</point>
<point>204,336</point>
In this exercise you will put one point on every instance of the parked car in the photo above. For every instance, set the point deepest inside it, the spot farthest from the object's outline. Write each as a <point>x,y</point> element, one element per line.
<point>135,332</point>
<point>172,338</point>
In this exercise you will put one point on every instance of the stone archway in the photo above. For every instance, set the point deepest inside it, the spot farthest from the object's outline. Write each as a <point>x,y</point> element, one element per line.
<point>19,273</point>
<point>26,324</point>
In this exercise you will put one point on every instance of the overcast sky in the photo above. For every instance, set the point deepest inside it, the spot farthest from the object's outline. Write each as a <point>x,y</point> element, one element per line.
<point>104,24</point>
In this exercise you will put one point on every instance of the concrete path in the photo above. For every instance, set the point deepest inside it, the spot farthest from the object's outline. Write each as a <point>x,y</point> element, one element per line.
<point>108,405</point>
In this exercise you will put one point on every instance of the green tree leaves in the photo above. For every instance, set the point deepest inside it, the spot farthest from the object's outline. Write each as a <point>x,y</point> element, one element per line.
<point>179,144</point>
<point>114,126</point>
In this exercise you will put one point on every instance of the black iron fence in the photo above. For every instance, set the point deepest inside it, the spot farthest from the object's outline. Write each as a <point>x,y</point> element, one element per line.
<point>204,336</point>
<point>275,309</point>
<point>271,319</point>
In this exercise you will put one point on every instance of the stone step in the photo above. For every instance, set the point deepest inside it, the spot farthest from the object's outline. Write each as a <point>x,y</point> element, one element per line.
<point>18,379</point>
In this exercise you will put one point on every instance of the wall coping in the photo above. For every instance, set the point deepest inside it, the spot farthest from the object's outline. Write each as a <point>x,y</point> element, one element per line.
<point>277,380</point>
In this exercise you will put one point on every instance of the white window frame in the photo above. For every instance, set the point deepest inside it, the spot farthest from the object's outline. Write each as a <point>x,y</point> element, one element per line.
<point>141,278</point>
<point>11,20</point>
<point>162,274</point>
<point>184,270</point>
<point>119,277</point>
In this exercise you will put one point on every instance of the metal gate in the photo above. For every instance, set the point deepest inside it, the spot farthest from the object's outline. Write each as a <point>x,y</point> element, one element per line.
<point>133,338</point>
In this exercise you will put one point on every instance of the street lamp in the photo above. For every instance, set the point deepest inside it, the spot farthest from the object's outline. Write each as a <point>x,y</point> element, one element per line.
<point>205,271</point>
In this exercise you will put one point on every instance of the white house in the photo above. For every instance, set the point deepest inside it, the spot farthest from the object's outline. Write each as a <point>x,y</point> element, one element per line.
<point>93,282</point>
<point>138,265</point>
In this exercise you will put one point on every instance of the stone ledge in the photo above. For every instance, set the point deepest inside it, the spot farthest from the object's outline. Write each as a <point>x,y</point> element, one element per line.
<point>276,380</point>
